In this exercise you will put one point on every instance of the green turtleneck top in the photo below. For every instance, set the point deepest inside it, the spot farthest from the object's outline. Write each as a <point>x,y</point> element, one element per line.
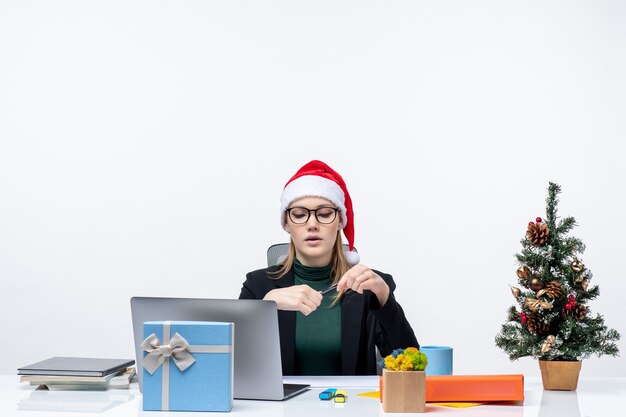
<point>318,335</point>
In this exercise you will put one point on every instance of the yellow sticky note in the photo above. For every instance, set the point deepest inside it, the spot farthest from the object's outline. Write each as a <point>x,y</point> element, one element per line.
<point>455,404</point>
<point>371,394</point>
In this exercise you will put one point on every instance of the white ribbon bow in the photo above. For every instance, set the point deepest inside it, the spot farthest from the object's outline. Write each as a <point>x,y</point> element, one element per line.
<point>178,349</point>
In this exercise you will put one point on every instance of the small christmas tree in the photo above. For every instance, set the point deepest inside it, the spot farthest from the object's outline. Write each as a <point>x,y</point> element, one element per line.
<point>554,321</point>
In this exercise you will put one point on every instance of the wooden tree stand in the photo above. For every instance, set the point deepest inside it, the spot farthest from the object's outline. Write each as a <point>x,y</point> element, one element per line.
<point>560,375</point>
<point>404,391</point>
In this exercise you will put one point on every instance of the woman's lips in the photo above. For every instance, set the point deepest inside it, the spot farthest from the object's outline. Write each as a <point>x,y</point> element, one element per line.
<point>313,240</point>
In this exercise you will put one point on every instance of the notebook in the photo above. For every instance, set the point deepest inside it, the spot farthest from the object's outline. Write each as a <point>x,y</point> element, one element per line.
<point>61,365</point>
<point>258,368</point>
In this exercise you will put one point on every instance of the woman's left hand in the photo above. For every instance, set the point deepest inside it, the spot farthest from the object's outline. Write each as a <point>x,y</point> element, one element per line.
<point>360,278</point>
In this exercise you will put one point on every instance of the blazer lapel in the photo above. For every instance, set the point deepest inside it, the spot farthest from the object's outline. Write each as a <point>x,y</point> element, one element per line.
<point>287,329</point>
<point>351,321</point>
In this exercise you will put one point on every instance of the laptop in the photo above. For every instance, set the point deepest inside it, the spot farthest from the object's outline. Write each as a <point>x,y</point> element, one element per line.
<point>258,369</point>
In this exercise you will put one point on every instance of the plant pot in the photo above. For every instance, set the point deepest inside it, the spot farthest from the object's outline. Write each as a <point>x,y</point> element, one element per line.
<point>404,391</point>
<point>560,375</point>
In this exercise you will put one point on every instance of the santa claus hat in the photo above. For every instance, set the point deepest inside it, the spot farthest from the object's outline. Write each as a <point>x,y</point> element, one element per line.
<point>316,179</point>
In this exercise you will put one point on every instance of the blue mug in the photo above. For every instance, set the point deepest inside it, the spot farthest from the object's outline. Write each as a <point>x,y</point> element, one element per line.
<point>439,359</point>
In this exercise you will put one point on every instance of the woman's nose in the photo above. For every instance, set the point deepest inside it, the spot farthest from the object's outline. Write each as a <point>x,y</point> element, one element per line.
<point>312,224</point>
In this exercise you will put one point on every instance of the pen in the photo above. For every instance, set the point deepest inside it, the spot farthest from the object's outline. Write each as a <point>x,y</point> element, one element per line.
<point>331,288</point>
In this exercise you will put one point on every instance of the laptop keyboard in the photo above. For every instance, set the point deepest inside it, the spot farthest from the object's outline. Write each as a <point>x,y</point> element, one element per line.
<point>291,389</point>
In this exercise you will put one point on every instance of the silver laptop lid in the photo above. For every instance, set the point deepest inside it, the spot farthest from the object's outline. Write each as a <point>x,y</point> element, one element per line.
<point>258,368</point>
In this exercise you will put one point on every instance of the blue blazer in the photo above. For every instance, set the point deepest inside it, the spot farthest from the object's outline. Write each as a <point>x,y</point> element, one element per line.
<point>364,324</point>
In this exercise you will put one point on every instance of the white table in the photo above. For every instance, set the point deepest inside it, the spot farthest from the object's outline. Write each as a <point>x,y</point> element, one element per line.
<point>596,397</point>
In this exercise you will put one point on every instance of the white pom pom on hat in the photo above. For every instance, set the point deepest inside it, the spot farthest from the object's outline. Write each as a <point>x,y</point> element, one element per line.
<point>352,257</point>
<point>316,179</point>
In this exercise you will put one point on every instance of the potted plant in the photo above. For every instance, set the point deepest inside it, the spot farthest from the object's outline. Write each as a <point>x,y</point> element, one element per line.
<point>552,320</point>
<point>403,387</point>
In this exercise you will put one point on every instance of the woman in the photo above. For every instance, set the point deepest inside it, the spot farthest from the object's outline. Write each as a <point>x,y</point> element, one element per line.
<point>327,332</point>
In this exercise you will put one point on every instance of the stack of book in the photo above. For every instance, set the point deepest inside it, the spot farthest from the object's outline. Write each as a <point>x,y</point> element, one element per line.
<point>70,373</point>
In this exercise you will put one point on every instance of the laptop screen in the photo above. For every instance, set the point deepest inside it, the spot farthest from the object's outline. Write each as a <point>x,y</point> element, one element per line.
<point>257,362</point>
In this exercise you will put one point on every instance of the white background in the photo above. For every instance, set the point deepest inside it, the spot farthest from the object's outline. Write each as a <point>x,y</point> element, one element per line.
<point>144,146</point>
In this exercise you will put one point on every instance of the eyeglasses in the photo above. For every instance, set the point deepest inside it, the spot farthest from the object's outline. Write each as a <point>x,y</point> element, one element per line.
<point>323,215</point>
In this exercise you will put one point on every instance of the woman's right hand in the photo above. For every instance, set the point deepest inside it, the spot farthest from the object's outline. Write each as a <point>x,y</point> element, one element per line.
<point>300,298</point>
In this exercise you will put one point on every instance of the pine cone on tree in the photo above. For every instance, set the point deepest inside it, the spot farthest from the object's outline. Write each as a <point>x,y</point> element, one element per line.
<point>554,289</point>
<point>578,312</point>
<point>536,325</point>
<point>537,233</point>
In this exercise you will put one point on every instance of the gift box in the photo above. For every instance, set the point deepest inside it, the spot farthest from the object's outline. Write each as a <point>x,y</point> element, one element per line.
<point>187,366</point>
